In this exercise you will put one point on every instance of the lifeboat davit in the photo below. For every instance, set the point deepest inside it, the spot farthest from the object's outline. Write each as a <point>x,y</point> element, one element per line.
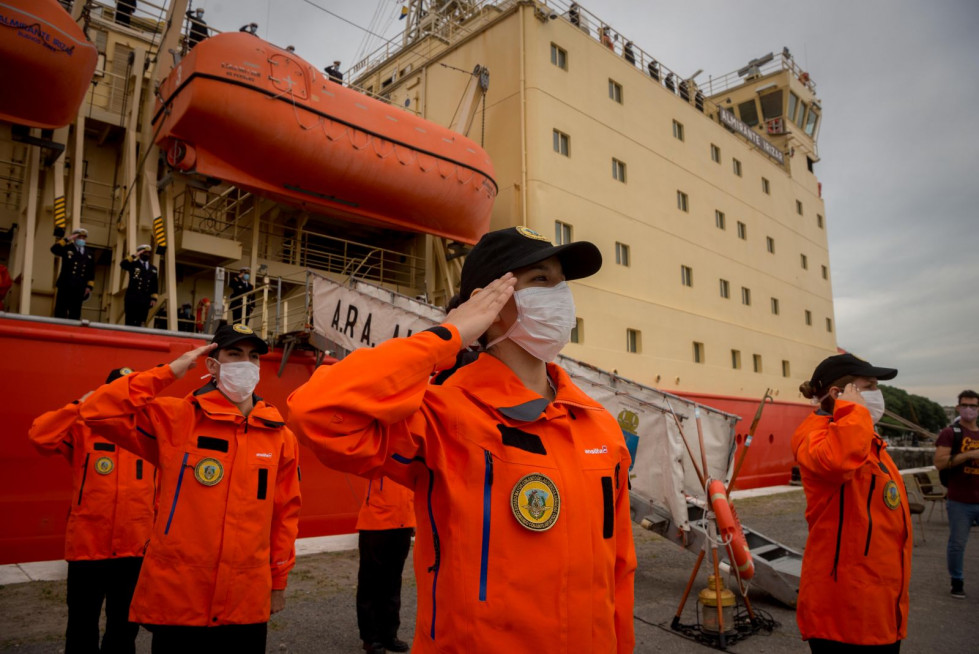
<point>241,110</point>
<point>47,63</point>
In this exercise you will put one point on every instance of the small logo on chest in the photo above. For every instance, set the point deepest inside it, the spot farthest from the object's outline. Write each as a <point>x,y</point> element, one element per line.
<point>598,450</point>
<point>263,455</point>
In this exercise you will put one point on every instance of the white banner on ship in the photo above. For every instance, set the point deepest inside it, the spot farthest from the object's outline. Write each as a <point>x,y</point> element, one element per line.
<point>364,315</point>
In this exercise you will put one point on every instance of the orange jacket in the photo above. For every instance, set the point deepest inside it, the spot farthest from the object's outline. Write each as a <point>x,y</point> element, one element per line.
<point>386,506</point>
<point>111,512</point>
<point>466,448</point>
<point>857,562</point>
<point>225,533</point>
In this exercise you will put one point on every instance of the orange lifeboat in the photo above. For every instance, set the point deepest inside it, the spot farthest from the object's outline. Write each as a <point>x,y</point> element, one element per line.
<point>244,111</point>
<point>47,63</point>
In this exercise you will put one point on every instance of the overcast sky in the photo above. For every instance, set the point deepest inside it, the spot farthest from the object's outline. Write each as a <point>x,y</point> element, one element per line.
<point>899,85</point>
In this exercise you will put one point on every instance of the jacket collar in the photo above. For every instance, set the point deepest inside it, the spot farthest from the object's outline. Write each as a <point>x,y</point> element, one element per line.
<point>214,403</point>
<point>491,383</point>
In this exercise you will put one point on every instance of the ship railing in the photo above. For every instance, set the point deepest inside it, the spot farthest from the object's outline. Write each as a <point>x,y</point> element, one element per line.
<point>782,61</point>
<point>12,179</point>
<point>215,214</point>
<point>98,202</point>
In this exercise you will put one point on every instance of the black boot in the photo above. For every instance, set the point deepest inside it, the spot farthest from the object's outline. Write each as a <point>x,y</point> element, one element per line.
<point>958,589</point>
<point>396,645</point>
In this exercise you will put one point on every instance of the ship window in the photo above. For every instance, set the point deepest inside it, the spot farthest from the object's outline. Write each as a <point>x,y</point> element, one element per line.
<point>615,91</point>
<point>746,296</point>
<point>801,116</point>
<point>770,244</point>
<point>682,201</point>
<point>618,170</point>
<point>578,332</point>
<point>785,369</point>
<point>749,113</point>
<point>766,186</point>
<point>562,233</point>
<point>742,231</point>
<point>622,254</point>
<point>793,105</point>
<point>677,130</point>
<point>633,340</point>
<point>829,324</point>
<point>771,105</point>
<point>698,352</point>
<point>798,207</point>
<point>819,221</point>
<point>559,57</point>
<point>805,261</point>
<point>725,289</point>
<point>736,359</point>
<point>825,272</point>
<point>809,317</point>
<point>686,275</point>
<point>562,143</point>
<point>715,153</point>
<point>756,360</point>
<point>736,165</point>
<point>719,220</point>
<point>812,122</point>
<point>774,306</point>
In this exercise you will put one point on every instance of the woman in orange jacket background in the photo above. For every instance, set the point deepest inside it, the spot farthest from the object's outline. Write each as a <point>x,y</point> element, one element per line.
<point>857,562</point>
<point>109,524</point>
<point>521,481</point>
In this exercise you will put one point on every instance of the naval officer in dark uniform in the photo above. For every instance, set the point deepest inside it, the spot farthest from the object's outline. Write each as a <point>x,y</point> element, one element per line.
<point>77,277</point>
<point>144,284</point>
<point>241,308</point>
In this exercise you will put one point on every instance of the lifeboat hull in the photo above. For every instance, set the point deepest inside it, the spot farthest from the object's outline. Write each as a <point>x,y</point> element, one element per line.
<point>47,63</point>
<point>246,112</point>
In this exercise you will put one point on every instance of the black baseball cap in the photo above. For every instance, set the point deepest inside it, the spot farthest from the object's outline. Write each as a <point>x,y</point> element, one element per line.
<point>844,365</point>
<point>117,373</point>
<point>506,250</point>
<point>228,335</point>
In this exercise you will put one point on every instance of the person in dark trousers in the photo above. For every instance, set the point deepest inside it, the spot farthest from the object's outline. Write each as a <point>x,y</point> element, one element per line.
<point>333,72</point>
<point>240,284</point>
<point>653,68</point>
<point>109,523</point>
<point>385,523</point>
<point>77,277</point>
<point>124,11</point>
<point>198,28</point>
<point>628,53</point>
<point>144,284</point>
<point>185,317</point>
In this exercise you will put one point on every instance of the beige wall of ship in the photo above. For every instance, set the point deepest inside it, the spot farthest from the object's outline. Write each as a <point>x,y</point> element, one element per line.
<point>530,97</point>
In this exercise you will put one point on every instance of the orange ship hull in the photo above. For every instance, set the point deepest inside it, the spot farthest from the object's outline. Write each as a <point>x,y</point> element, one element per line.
<point>244,111</point>
<point>47,63</point>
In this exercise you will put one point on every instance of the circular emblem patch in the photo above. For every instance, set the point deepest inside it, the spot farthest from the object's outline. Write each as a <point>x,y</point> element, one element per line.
<point>243,329</point>
<point>209,471</point>
<point>104,465</point>
<point>529,233</point>
<point>892,497</point>
<point>536,502</point>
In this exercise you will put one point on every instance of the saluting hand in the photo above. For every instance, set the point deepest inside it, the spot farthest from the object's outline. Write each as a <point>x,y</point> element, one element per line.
<point>474,316</point>
<point>851,394</point>
<point>188,360</point>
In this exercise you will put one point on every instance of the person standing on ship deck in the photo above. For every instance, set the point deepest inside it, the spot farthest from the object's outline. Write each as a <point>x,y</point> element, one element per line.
<point>144,284</point>
<point>198,27</point>
<point>853,592</point>
<point>520,478</point>
<point>240,306</point>
<point>333,72</point>
<point>77,277</point>
<point>109,523</point>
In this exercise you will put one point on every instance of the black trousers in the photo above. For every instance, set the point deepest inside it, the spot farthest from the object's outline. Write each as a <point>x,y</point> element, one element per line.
<point>136,311</point>
<point>822,646</point>
<point>68,303</point>
<point>89,584</point>
<point>236,638</point>
<point>382,560</point>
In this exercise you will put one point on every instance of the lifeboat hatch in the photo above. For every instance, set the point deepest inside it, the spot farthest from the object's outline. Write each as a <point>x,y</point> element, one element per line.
<point>287,75</point>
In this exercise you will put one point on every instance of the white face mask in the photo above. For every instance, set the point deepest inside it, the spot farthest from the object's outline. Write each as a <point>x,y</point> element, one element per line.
<point>545,318</point>
<point>237,379</point>
<point>875,404</point>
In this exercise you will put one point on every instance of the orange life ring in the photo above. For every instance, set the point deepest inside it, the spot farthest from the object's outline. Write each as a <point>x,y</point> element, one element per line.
<point>202,308</point>
<point>730,529</point>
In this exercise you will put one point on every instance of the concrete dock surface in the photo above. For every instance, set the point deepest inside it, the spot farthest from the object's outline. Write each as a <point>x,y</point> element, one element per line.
<point>320,613</point>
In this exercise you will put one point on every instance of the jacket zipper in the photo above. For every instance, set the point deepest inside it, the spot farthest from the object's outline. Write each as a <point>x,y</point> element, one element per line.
<point>484,560</point>
<point>176,493</point>
<point>839,533</point>
<point>84,476</point>
<point>437,547</point>
<point>870,517</point>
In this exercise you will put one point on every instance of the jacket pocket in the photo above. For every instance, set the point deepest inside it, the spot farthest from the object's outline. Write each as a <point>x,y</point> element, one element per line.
<point>839,533</point>
<point>487,506</point>
<point>608,499</point>
<point>176,493</point>
<point>870,516</point>
<point>81,486</point>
